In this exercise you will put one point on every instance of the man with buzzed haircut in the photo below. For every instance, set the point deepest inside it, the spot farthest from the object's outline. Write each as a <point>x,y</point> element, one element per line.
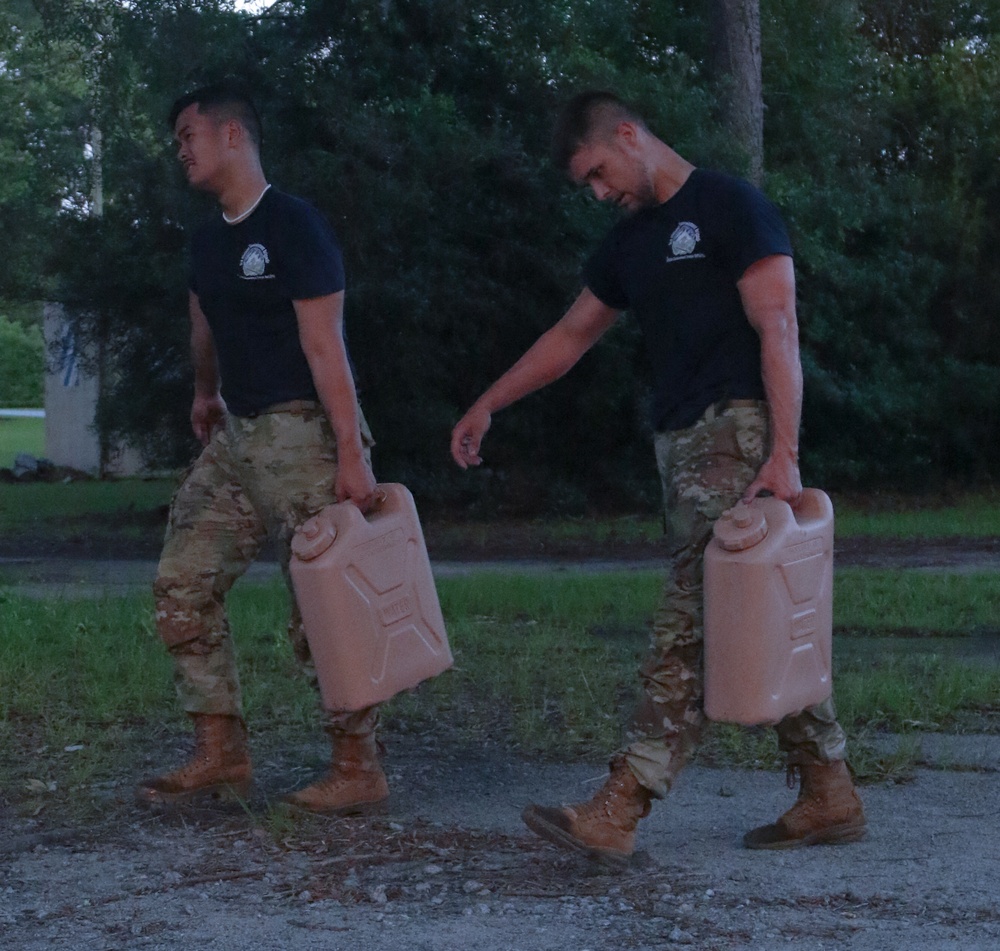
<point>276,410</point>
<point>703,261</point>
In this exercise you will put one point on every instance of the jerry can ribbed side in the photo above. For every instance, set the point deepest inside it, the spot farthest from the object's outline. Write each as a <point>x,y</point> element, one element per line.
<point>769,610</point>
<point>368,601</point>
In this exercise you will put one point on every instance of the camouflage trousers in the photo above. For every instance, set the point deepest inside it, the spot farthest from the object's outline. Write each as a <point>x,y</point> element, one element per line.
<point>704,470</point>
<point>258,478</point>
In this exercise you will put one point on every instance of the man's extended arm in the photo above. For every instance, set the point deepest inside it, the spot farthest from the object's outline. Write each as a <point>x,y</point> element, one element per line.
<point>320,321</point>
<point>767,289</point>
<point>208,408</point>
<point>551,355</point>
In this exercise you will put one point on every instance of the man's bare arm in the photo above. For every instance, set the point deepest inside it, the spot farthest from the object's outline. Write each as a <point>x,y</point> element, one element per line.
<point>767,290</point>
<point>208,409</point>
<point>551,356</point>
<point>320,322</point>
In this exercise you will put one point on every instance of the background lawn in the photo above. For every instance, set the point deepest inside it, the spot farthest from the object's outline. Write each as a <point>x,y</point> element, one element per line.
<point>20,435</point>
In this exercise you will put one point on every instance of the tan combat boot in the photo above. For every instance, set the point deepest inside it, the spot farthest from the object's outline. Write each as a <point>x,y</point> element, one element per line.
<point>604,827</point>
<point>219,768</point>
<point>828,811</point>
<point>354,785</point>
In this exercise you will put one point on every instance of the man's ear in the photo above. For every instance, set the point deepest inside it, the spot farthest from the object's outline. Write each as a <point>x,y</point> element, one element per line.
<point>234,133</point>
<point>627,134</point>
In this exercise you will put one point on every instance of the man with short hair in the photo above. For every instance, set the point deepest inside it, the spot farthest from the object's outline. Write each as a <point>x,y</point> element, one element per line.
<point>276,410</point>
<point>704,262</point>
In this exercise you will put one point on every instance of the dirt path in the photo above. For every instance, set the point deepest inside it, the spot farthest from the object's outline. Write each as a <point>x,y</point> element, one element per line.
<point>44,574</point>
<point>451,867</point>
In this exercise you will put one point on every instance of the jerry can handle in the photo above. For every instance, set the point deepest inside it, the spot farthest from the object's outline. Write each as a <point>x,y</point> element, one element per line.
<point>814,505</point>
<point>390,499</point>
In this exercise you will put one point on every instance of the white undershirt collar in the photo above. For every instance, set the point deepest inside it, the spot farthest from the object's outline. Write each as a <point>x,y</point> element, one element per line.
<point>245,214</point>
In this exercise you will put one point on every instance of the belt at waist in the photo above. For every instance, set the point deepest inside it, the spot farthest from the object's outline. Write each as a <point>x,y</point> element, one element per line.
<point>718,408</point>
<point>289,406</point>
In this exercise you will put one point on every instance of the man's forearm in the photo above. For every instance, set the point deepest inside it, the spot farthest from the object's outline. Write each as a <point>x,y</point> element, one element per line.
<point>782,376</point>
<point>553,354</point>
<point>203,356</point>
<point>340,401</point>
<point>546,361</point>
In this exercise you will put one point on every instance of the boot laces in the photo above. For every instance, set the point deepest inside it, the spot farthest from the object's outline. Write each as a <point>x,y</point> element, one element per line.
<point>611,802</point>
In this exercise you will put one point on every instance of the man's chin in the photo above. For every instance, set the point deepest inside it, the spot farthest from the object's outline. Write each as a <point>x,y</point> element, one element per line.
<point>195,180</point>
<point>636,204</point>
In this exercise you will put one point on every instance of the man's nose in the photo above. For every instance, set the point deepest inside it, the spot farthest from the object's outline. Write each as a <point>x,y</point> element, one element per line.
<point>601,191</point>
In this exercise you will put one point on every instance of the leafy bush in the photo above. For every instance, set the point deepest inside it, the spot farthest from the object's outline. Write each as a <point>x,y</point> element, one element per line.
<point>22,364</point>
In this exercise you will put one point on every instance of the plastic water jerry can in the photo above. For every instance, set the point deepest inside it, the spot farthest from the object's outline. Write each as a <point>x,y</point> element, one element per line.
<point>769,609</point>
<point>369,606</point>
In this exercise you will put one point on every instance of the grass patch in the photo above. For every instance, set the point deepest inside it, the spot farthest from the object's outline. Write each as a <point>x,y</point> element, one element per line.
<point>969,514</point>
<point>545,665</point>
<point>19,435</point>
<point>906,691</point>
<point>916,602</point>
<point>549,659</point>
<point>31,505</point>
<point>78,681</point>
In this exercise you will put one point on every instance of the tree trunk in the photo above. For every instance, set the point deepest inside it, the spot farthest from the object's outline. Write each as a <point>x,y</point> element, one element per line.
<point>736,67</point>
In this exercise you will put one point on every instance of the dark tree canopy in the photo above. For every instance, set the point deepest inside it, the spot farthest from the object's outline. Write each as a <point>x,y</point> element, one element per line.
<point>420,127</point>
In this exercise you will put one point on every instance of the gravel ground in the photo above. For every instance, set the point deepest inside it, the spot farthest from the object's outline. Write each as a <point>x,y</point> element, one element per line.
<point>450,866</point>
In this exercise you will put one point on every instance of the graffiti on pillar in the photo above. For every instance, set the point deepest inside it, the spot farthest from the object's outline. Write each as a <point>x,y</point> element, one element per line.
<point>68,361</point>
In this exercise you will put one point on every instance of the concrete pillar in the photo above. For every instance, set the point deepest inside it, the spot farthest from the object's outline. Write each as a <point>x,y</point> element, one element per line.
<point>71,393</point>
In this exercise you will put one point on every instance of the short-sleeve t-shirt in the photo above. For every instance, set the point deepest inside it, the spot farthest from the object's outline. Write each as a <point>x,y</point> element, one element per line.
<point>246,276</point>
<point>676,267</point>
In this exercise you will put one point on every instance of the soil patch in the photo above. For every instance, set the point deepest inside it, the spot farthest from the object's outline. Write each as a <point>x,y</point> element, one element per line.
<point>139,536</point>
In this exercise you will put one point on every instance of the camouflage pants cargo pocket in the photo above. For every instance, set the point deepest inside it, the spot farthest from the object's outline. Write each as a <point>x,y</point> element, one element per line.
<point>704,470</point>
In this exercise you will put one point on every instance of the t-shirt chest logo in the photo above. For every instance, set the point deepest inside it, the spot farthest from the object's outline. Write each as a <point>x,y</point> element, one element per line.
<point>254,262</point>
<point>683,242</point>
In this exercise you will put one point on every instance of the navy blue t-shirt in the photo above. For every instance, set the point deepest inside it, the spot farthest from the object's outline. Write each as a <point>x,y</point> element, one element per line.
<point>676,266</point>
<point>246,276</point>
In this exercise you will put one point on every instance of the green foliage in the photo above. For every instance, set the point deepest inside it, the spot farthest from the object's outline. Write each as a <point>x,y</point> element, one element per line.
<point>420,128</point>
<point>22,364</point>
<point>882,139</point>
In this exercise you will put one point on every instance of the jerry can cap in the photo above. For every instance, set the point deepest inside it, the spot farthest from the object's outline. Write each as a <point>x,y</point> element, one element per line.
<point>740,527</point>
<point>313,537</point>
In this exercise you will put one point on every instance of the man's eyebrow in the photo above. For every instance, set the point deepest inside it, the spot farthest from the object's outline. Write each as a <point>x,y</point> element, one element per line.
<point>584,177</point>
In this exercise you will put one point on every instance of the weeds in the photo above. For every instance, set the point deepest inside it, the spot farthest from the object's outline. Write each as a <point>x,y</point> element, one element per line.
<point>917,602</point>
<point>544,664</point>
<point>906,692</point>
